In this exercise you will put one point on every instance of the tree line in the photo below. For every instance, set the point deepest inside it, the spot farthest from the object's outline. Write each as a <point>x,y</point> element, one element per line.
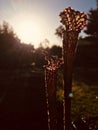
<point>14,54</point>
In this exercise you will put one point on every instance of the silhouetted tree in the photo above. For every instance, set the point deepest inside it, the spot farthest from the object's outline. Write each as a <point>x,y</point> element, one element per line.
<point>13,53</point>
<point>56,50</point>
<point>92,26</point>
<point>59,31</point>
<point>97,3</point>
<point>39,57</point>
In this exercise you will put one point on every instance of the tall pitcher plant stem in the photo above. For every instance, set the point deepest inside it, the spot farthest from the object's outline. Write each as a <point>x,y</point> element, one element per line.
<point>73,22</point>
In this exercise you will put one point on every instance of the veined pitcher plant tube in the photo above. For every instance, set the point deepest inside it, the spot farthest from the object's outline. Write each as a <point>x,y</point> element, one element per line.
<point>73,22</point>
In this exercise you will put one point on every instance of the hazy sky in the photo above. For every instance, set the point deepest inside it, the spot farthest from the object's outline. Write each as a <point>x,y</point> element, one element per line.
<point>35,20</point>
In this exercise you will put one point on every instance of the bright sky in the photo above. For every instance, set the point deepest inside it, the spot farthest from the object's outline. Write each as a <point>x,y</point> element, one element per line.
<point>36,20</point>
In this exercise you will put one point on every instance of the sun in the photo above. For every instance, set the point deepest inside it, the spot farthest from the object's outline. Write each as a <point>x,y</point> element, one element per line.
<point>28,31</point>
<point>30,28</point>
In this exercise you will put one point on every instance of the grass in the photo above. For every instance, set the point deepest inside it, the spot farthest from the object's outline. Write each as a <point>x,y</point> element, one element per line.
<point>84,102</point>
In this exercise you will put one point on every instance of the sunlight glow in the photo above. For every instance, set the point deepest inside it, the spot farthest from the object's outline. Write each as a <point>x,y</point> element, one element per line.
<point>28,31</point>
<point>31,21</point>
